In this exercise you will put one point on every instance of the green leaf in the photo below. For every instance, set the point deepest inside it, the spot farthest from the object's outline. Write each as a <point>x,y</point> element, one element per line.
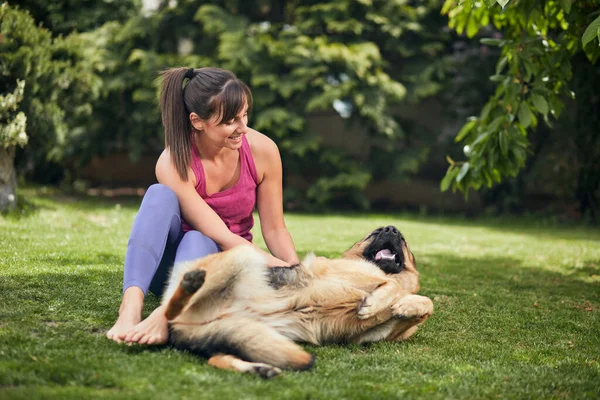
<point>501,64</point>
<point>503,141</point>
<point>481,139</point>
<point>468,127</point>
<point>591,32</point>
<point>566,5</point>
<point>450,174</point>
<point>524,115</point>
<point>495,124</point>
<point>472,27</point>
<point>491,42</point>
<point>503,3</point>
<point>490,3</point>
<point>497,78</point>
<point>540,103</point>
<point>463,172</point>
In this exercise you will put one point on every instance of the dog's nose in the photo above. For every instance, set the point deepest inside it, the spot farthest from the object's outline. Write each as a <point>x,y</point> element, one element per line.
<point>391,229</point>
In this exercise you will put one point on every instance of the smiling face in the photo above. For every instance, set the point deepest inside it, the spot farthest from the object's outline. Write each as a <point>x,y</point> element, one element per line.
<point>386,248</point>
<point>223,133</point>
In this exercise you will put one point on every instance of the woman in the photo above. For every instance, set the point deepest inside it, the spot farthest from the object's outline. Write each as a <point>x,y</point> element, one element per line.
<point>212,173</point>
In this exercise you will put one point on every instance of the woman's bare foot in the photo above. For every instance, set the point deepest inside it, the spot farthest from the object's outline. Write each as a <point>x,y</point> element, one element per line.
<point>130,313</point>
<point>153,330</point>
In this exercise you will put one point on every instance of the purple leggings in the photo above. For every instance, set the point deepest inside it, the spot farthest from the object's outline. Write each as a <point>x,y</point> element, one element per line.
<point>157,242</point>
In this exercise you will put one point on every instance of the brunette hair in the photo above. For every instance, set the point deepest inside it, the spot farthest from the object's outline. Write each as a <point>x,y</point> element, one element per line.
<point>208,92</point>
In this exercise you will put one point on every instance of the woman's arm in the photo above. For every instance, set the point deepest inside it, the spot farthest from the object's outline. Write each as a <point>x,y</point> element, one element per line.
<point>199,214</point>
<point>270,203</point>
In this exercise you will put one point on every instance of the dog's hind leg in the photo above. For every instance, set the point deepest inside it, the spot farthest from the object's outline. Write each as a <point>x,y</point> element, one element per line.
<point>275,349</point>
<point>191,282</point>
<point>257,342</point>
<point>216,273</point>
<point>226,361</point>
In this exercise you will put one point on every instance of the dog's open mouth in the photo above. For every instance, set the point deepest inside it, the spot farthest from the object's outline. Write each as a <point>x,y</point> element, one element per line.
<point>387,257</point>
<point>385,254</point>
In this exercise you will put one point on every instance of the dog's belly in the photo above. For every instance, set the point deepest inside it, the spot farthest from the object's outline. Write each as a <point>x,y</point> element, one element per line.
<point>302,317</point>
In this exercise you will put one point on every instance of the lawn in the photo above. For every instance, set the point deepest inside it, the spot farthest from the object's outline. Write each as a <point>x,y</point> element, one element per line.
<point>517,312</point>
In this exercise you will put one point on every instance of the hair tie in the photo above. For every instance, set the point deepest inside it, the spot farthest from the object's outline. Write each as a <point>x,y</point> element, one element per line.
<point>189,74</point>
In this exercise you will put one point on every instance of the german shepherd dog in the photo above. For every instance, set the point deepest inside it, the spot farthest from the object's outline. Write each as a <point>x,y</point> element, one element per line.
<point>247,317</point>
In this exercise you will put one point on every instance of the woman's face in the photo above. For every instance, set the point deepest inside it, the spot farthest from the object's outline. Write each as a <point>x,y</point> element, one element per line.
<point>225,133</point>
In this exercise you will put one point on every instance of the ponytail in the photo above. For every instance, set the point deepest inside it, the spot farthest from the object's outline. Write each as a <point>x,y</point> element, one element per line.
<point>176,119</point>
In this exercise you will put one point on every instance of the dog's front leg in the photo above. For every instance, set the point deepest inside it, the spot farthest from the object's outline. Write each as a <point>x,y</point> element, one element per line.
<point>381,299</point>
<point>409,312</point>
<point>412,306</point>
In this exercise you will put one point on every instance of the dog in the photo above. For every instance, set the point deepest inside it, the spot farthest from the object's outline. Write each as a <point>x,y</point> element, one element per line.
<point>244,316</point>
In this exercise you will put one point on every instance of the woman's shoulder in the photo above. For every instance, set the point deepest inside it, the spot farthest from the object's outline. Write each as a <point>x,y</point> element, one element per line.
<point>261,145</point>
<point>163,164</point>
<point>264,152</point>
<point>165,169</point>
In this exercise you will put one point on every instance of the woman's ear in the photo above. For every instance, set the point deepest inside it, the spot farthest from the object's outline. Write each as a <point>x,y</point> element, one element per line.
<point>196,121</point>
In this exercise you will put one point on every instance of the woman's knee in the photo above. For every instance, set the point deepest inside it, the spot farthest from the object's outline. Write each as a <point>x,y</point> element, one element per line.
<point>195,245</point>
<point>161,194</point>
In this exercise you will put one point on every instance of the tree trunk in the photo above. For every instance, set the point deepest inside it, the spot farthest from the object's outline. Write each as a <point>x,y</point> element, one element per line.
<point>8,179</point>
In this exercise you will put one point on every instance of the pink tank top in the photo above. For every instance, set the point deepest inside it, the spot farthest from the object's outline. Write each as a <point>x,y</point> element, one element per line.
<point>236,204</point>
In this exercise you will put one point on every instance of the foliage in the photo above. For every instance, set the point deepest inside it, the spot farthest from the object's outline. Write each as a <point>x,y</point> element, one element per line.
<point>59,83</point>
<point>516,319</point>
<point>357,58</point>
<point>538,41</point>
<point>12,123</point>
<point>63,17</point>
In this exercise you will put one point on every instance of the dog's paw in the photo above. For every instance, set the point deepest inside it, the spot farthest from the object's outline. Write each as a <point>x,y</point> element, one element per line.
<point>367,308</point>
<point>193,280</point>
<point>265,371</point>
<point>412,306</point>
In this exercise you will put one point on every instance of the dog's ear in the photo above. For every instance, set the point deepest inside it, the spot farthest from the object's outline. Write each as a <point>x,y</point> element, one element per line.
<point>358,249</point>
<point>409,259</point>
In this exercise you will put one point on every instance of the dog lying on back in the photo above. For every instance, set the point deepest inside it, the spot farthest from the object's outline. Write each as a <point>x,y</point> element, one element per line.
<point>246,316</point>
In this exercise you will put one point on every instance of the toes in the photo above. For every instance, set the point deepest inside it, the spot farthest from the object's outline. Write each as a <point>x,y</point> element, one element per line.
<point>365,313</point>
<point>132,336</point>
<point>365,310</point>
<point>399,312</point>
<point>116,339</point>
<point>144,339</point>
<point>193,280</point>
<point>136,337</point>
<point>123,335</point>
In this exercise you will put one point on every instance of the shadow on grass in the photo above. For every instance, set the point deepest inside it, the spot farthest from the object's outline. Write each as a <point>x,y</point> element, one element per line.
<point>487,286</point>
<point>89,296</point>
<point>450,273</point>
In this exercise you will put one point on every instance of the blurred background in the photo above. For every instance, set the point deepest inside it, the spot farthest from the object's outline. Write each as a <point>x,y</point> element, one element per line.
<point>368,100</point>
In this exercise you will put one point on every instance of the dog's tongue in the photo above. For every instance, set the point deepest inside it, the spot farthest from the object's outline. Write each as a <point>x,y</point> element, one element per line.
<point>385,253</point>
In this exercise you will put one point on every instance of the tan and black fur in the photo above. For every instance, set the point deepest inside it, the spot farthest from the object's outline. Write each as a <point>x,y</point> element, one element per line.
<point>247,317</point>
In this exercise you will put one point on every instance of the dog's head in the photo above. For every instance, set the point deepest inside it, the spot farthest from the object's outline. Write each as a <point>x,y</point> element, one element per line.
<point>386,248</point>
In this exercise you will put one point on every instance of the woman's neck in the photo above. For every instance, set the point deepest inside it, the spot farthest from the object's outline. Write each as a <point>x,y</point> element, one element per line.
<point>210,151</point>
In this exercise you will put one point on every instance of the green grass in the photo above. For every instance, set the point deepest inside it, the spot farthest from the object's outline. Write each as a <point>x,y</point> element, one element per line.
<point>516,312</point>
